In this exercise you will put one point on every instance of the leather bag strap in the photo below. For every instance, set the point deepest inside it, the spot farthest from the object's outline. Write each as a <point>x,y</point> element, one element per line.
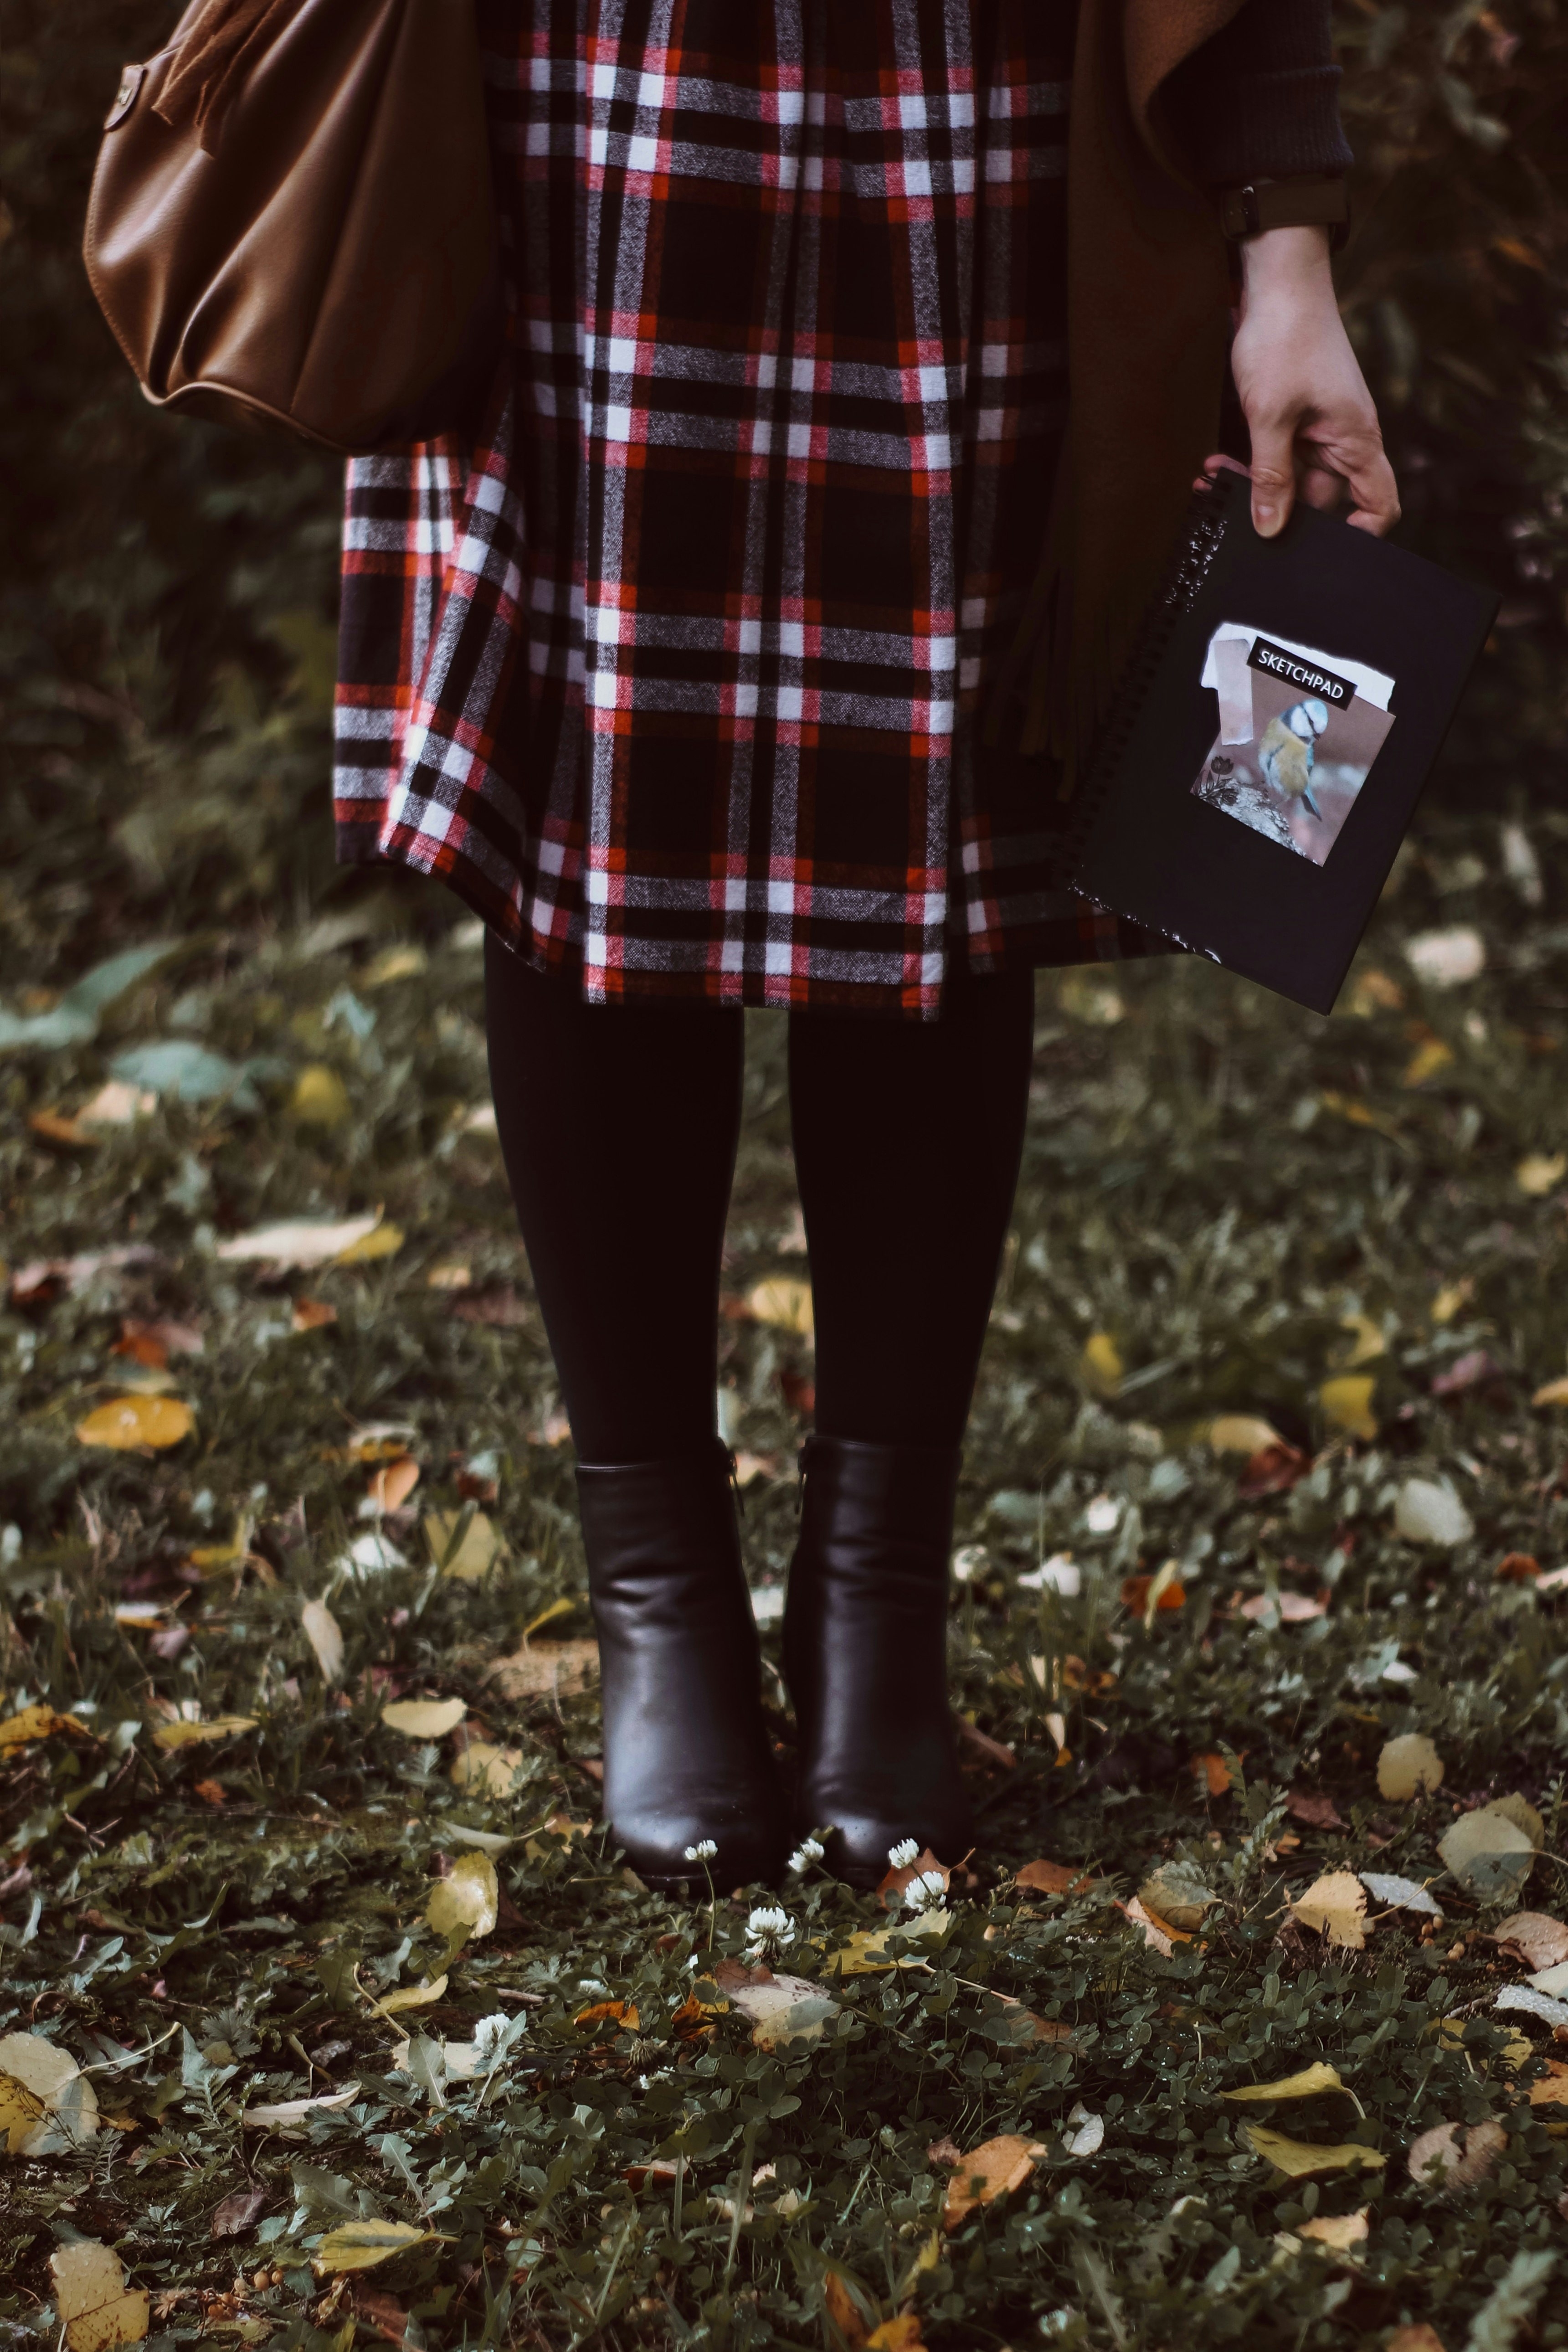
<point>212,60</point>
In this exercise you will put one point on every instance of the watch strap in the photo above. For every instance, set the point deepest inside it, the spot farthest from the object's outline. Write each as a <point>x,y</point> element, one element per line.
<point>1285,204</point>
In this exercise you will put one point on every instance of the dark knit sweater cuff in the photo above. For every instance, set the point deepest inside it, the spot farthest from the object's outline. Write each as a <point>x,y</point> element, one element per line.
<point>1260,100</point>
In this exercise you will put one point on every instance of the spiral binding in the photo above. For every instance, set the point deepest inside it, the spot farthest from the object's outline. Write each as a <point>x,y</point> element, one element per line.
<point>1203,534</point>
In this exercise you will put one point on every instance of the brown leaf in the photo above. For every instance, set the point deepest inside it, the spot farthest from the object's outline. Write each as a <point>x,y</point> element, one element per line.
<point>211,1793</point>
<point>843,2311</point>
<point>390,1488</point>
<point>238,2214</point>
<point>1273,1470</point>
<point>693,2021</point>
<point>993,2170</point>
<point>1458,2167</point>
<point>1044,1877</point>
<point>55,1128</point>
<point>732,1976</point>
<point>1135,1591</point>
<point>1317,1813</point>
<point>542,1667</point>
<point>312,1314</point>
<point>900,2334</point>
<point>1539,1940</point>
<point>1552,2089</point>
<point>1517,1567</point>
<point>1417,2338</point>
<point>381,2314</point>
<point>890,1888</point>
<point>992,1750</point>
<point>623,2014</point>
<point>499,1305</point>
<point>1214,1773</point>
<point>944,2151</point>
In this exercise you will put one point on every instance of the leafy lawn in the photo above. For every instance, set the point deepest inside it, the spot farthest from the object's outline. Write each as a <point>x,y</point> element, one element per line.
<point>583,2115</point>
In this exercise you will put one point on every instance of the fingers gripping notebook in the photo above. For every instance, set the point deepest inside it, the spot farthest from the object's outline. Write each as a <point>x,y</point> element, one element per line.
<point>1283,710</point>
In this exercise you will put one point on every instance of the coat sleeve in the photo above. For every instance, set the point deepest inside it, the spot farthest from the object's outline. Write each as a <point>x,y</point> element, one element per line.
<point>1260,99</point>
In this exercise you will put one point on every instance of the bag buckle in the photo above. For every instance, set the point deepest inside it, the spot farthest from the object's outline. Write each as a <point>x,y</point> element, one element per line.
<point>131,80</point>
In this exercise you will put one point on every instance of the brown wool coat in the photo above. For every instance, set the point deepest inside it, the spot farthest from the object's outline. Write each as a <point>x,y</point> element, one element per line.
<point>1148,319</point>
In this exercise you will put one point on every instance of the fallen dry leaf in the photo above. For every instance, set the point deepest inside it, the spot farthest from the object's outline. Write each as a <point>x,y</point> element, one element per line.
<point>360,2245</point>
<point>541,1667</point>
<point>1145,1594</point>
<point>472,1558</point>
<point>1273,1470</point>
<point>891,1885</point>
<point>1306,2083</point>
<point>238,2215</point>
<point>1490,1854</point>
<point>282,2112</point>
<point>1335,1907</point>
<point>1243,1432</point>
<point>1100,1368</point>
<point>1440,2162</point>
<point>1342,2233</point>
<point>901,2334</point>
<point>312,1315</point>
<point>419,1996</point>
<point>1539,1172</point>
<point>622,2015</point>
<point>466,1902</point>
<point>304,1243</point>
<point>1346,1401</point>
<point>1417,2338</point>
<point>127,1424</point>
<point>1554,1392</point>
<point>844,2311</point>
<point>1291,1608</point>
<point>325,1636</point>
<point>783,2009</point>
<point>1177,1892</point>
<point>1044,1877</point>
<point>424,1718</point>
<point>983,2174</point>
<point>1317,1812</point>
<point>37,1723</point>
<point>482,1765</point>
<point>211,1793</point>
<point>1540,1941</point>
<point>1409,1767</point>
<point>1158,1934</point>
<point>48,2106</point>
<point>1404,1894</point>
<point>96,2307</point>
<point>1552,2090</point>
<point>1299,2158</point>
<point>783,1302</point>
<point>390,1488</point>
<point>993,1750</point>
<point>194,1734</point>
<point>1517,1567</point>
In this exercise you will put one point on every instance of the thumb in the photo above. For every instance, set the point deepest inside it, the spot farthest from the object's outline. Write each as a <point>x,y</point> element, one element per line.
<point>1273,471</point>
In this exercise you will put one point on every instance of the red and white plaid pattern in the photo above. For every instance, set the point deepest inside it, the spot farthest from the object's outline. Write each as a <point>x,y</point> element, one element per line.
<point>674,675</point>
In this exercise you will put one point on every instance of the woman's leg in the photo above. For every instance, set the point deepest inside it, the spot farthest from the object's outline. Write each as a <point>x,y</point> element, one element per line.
<point>618,1125</point>
<point>907,1141</point>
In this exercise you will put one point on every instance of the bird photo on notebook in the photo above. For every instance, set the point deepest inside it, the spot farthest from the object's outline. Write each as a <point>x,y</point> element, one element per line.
<point>1299,730</point>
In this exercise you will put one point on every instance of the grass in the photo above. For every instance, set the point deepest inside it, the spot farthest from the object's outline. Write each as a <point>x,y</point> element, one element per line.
<point>1230,1200</point>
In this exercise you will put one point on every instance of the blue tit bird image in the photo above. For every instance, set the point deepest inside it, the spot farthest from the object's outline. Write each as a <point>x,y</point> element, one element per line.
<point>1285,751</point>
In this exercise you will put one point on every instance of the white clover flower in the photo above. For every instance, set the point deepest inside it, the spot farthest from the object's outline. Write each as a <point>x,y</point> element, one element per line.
<point>1101,1514</point>
<point>769,1930</point>
<point>703,1850</point>
<point>805,1853</point>
<point>903,1855</point>
<point>926,1888</point>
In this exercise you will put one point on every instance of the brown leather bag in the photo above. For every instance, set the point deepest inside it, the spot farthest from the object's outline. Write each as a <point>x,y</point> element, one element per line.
<point>292,220</point>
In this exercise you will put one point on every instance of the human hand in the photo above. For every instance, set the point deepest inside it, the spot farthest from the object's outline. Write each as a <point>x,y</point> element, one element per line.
<point>1313,424</point>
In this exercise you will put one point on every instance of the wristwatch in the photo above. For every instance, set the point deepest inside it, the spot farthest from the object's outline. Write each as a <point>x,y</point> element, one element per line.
<point>1285,204</point>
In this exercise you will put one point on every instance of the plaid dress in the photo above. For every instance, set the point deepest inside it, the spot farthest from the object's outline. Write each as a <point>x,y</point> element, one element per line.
<point>675,675</point>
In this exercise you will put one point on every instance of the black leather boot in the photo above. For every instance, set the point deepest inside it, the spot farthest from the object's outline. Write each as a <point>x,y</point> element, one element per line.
<point>865,1642</point>
<point>687,1755</point>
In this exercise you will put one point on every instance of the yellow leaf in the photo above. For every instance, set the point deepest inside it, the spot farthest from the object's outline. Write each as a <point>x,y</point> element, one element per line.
<point>382,1240</point>
<point>1367,1342</point>
<point>1243,1432</point>
<point>48,2106</point>
<point>1426,1061</point>
<point>1539,1172</point>
<point>96,2309</point>
<point>360,2245</point>
<point>562,1606</point>
<point>621,2013</point>
<point>1451,1297</point>
<point>1373,991</point>
<point>1554,1392</point>
<point>480,1548</point>
<point>1305,2085</point>
<point>871,1951</point>
<point>993,2170</point>
<point>1409,1767</point>
<point>190,1735</point>
<point>482,1765</point>
<point>559,1667</point>
<point>1100,1367</point>
<point>128,1422</point>
<point>900,2335</point>
<point>36,1723</point>
<point>1347,1404</point>
<point>424,1718</point>
<point>558,1825</point>
<point>419,1996</point>
<point>1335,1907</point>
<point>1299,2157</point>
<point>785,1303</point>
<point>465,1903</point>
<point>1359,1113</point>
<point>403,962</point>
<point>320,1097</point>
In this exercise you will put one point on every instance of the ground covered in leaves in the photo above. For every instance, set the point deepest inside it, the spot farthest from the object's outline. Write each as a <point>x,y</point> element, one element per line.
<point>329,2010</point>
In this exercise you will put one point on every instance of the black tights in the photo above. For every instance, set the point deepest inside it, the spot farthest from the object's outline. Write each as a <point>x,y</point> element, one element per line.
<point>619,1125</point>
